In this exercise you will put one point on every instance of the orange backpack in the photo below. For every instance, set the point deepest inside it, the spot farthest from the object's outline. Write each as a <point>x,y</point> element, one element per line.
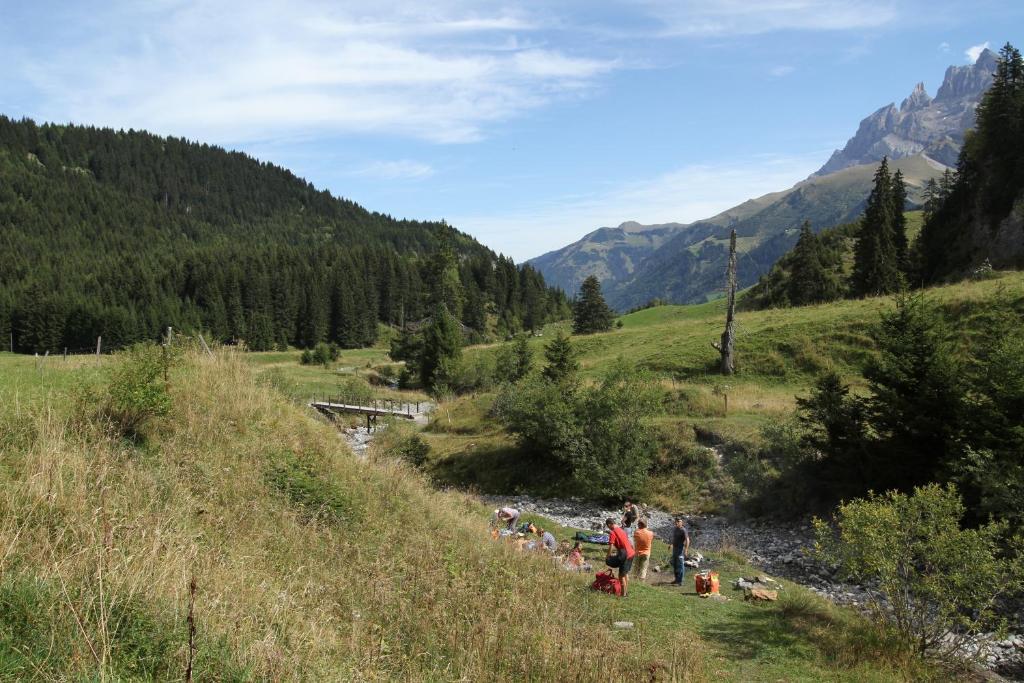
<point>706,583</point>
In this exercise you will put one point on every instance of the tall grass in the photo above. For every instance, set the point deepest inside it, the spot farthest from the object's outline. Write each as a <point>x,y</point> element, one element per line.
<point>309,564</point>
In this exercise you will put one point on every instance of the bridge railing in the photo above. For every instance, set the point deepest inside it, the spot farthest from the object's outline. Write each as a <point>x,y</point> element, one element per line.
<point>382,405</point>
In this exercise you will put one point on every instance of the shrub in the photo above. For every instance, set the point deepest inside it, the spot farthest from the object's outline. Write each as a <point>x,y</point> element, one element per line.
<point>413,449</point>
<point>136,391</point>
<point>355,390</point>
<point>942,583</point>
<point>322,354</point>
<point>514,360</point>
<point>598,435</point>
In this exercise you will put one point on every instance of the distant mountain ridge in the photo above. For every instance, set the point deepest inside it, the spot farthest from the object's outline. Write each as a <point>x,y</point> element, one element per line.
<point>683,263</point>
<point>934,127</point>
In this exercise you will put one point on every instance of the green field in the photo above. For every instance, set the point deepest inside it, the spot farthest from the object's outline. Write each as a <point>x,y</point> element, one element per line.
<point>780,352</point>
<point>300,551</point>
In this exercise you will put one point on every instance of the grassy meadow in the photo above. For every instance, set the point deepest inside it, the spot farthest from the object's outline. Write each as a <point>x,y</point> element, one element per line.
<point>309,564</point>
<point>780,353</point>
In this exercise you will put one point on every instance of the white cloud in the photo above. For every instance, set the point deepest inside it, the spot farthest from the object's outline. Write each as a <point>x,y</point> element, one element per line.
<point>780,71</point>
<point>403,169</point>
<point>684,195</point>
<point>973,52</point>
<point>238,71</point>
<point>944,46</point>
<point>743,17</point>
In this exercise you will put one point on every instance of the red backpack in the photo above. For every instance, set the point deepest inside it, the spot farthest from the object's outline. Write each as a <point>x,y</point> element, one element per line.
<point>605,581</point>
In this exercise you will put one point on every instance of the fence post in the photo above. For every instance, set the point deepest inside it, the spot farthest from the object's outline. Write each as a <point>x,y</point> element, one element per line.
<point>99,346</point>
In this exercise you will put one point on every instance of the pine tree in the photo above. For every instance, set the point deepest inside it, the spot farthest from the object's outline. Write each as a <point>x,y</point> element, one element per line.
<point>562,365</point>
<point>515,360</point>
<point>876,267</point>
<point>442,345</point>
<point>809,281</point>
<point>442,277</point>
<point>932,194</point>
<point>899,224</point>
<point>590,312</point>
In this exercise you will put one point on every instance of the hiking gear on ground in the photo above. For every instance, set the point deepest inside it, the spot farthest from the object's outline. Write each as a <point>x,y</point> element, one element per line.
<point>706,583</point>
<point>591,538</point>
<point>607,583</point>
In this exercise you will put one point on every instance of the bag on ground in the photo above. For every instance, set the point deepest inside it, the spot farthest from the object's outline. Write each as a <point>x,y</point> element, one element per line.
<point>706,583</point>
<point>607,583</point>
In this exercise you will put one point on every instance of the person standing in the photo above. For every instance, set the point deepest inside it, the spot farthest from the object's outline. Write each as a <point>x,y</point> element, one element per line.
<point>620,552</point>
<point>629,515</point>
<point>680,545</point>
<point>509,515</point>
<point>643,538</point>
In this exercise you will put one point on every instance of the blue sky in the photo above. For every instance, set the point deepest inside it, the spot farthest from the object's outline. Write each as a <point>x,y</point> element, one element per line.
<point>526,124</point>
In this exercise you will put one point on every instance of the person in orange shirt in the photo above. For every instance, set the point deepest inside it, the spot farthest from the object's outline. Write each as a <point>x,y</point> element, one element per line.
<point>642,540</point>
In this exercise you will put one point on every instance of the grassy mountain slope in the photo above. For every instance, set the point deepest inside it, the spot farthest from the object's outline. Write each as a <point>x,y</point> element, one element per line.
<point>780,352</point>
<point>611,254</point>
<point>312,565</point>
<point>684,263</point>
<point>690,267</point>
<point>309,564</point>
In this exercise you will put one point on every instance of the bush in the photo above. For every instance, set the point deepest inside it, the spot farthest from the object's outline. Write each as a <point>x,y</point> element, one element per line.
<point>322,354</point>
<point>942,583</point>
<point>412,449</point>
<point>599,435</point>
<point>136,391</point>
<point>355,390</point>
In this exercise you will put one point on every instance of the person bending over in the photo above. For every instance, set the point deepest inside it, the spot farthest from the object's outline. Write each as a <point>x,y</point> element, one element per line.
<point>620,552</point>
<point>508,515</point>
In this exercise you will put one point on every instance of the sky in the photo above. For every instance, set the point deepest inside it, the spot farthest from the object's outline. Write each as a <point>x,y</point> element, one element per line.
<point>526,124</point>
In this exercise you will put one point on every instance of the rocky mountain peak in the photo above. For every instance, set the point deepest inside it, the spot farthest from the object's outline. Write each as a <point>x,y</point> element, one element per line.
<point>918,99</point>
<point>934,127</point>
<point>968,80</point>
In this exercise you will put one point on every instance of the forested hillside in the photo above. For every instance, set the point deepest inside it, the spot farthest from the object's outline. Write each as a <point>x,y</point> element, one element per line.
<point>979,216</point>
<point>120,234</point>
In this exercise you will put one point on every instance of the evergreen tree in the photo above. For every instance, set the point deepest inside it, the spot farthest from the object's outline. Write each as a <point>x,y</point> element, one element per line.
<point>932,194</point>
<point>590,312</point>
<point>810,281</point>
<point>442,276</point>
<point>876,268</point>
<point>958,234</point>
<point>562,365</point>
<point>442,346</point>
<point>515,360</point>
<point>899,224</point>
<point>917,404</point>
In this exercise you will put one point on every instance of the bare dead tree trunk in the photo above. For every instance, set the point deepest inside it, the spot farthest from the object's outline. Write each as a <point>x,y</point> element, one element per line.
<point>726,346</point>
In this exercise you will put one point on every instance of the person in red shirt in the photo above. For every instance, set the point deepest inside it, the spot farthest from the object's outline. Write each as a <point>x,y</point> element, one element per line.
<point>620,552</point>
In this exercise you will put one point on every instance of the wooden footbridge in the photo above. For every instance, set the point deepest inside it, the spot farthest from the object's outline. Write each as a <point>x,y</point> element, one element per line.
<point>372,408</point>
